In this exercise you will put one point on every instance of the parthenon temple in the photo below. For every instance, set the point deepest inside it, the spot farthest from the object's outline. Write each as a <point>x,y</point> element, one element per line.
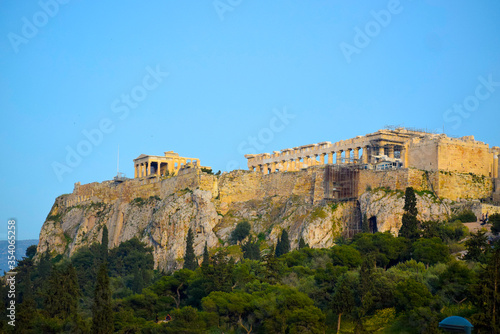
<point>405,148</point>
<point>158,166</point>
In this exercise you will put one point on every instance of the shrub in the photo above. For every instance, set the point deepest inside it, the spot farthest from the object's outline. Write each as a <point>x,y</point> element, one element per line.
<point>466,216</point>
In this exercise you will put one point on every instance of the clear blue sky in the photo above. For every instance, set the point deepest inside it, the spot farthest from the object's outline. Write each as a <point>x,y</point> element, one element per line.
<point>340,68</point>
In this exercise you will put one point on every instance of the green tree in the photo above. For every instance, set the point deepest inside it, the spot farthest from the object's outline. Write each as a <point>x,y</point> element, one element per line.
<point>31,251</point>
<point>104,245</point>
<point>61,296</point>
<point>241,231</point>
<point>189,257</point>
<point>206,256</point>
<point>102,313</point>
<point>477,246</point>
<point>410,202</point>
<point>251,249</point>
<point>173,286</point>
<point>365,225</point>
<point>283,245</point>
<point>302,243</point>
<point>409,226</point>
<point>27,313</point>
<point>455,281</point>
<point>487,294</point>
<point>218,276</point>
<point>430,251</point>
<point>495,223</point>
<point>343,299</point>
<point>411,294</point>
<point>346,255</point>
<point>138,280</point>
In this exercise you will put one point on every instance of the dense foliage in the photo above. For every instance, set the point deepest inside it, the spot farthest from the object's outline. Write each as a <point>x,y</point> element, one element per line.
<point>370,283</point>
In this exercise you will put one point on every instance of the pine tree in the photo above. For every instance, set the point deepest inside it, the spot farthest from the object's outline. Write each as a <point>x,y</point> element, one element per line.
<point>190,258</point>
<point>283,245</point>
<point>409,226</point>
<point>206,256</point>
<point>102,314</point>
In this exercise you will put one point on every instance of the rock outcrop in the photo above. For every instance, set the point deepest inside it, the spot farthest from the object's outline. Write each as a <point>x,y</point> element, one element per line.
<point>160,212</point>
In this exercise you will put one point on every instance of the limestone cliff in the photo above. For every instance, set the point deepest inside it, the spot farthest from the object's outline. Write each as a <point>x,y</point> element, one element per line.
<point>160,212</point>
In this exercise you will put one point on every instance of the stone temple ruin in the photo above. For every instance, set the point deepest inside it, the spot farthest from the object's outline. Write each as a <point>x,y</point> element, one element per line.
<point>390,158</point>
<point>387,149</point>
<point>150,166</point>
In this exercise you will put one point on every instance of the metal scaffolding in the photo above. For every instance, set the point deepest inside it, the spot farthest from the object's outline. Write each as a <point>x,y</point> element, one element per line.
<point>341,185</point>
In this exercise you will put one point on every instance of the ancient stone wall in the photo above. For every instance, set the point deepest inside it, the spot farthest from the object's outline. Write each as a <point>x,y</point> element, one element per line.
<point>242,186</point>
<point>457,186</point>
<point>465,157</point>
<point>423,154</point>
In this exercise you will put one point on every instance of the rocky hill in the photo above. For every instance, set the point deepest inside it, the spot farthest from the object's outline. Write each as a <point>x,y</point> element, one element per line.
<point>160,212</point>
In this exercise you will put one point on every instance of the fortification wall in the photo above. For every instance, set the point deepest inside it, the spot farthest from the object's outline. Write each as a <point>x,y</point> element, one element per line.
<point>423,154</point>
<point>242,186</point>
<point>465,157</point>
<point>457,186</point>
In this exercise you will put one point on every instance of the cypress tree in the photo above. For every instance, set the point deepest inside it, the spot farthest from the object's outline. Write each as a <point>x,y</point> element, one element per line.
<point>365,226</point>
<point>409,226</point>
<point>189,257</point>
<point>27,313</point>
<point>283,245</point>
<point>138,282</point>
<point>104,245</point>
<point>61,295</point>
<point>486,294</point>
<point>302,243</point>
<point>102,314</point>
<point>410,202</point>
<point>206,257</point>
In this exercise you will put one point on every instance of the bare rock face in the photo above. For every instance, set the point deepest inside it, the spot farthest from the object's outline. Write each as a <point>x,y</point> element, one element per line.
<point>160,212</point>
<point>387,208</point>
<point>168,228</point>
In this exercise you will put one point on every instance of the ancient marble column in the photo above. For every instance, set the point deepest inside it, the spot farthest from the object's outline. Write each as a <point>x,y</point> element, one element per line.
<point>381,150</point>
<point>390,152</point>
<point>356,154</point>
<point>364,157</point>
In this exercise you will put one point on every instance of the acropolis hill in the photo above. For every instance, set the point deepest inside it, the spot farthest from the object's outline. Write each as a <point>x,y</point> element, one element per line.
<point>317,192</point>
